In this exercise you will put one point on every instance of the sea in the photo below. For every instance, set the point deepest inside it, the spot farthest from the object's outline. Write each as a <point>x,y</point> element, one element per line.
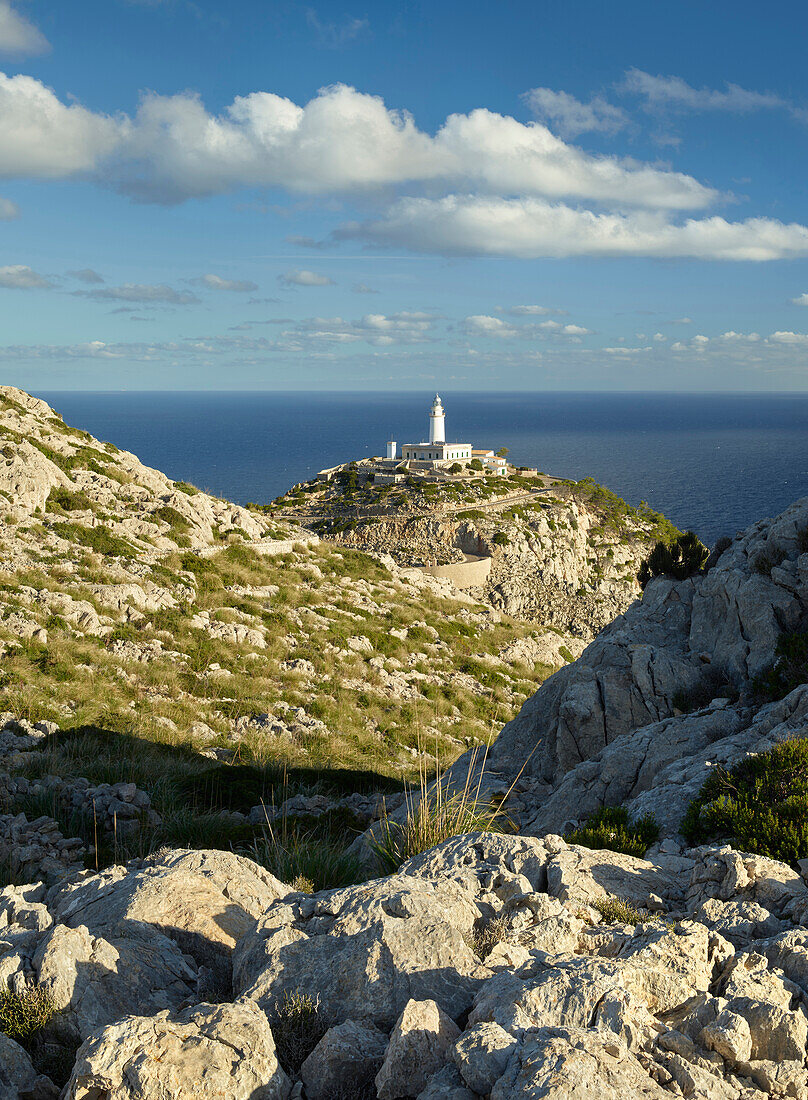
<point>713,463</point>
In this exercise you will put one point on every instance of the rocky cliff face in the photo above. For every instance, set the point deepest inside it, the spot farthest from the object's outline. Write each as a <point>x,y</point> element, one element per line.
<point>558,559</point>
<point>609,728</point>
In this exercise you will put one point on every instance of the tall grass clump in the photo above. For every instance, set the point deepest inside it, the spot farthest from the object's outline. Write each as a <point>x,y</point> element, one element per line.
<point>307,860</point>
<point>611,828</point>
<point>760,805</point>
<point>434,815</point>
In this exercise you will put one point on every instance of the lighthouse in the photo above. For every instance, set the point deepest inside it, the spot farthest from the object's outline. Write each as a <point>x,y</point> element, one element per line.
<point>437,422</point>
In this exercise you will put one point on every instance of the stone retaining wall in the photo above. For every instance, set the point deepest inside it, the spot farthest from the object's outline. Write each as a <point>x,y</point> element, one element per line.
<point>465,574</point>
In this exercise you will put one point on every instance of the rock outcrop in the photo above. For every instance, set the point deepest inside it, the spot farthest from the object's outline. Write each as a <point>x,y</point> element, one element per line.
<point>440,982</point>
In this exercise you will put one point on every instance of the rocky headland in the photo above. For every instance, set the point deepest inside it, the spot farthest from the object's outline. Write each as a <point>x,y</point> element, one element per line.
<point>176,921</point>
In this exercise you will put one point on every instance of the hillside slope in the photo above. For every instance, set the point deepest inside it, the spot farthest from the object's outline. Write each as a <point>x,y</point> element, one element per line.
<point>563,554</point>
<point>138,603</point>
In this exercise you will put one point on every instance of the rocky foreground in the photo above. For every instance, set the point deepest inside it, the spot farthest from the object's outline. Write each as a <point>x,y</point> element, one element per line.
<point>490,966</point>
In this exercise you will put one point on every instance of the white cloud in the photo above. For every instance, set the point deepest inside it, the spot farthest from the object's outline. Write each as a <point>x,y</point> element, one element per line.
<point>378,329</point>
<point>140,292</point>
<point>802,300</point>
<point>798,339</point>
<point>300,277</point>
<point>8,210</point>
<point>659,337</point>
<point>341,141</point>
<point>215,282</point>
<point>671,92</point>
<point>530,311</point>
<point>18,36</point>
<point>482,324</point>
<point>570,117</point>
<point>465,225</point>
<point>20,277</point>
<point>40,137</point>
<point>86,275</point>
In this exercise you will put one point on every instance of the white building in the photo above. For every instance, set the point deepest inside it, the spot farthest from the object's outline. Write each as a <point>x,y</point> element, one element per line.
<point>437,449</point>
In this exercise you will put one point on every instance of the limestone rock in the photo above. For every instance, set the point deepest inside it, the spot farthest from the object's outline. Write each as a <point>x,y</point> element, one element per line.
<point>446,1084</point>
<point>367,950</point>
<point>17,1074</point>
<point>419,1046</point>
<point>482,1054</point>
<point>209,1052</point>
<point>574,1064</point>
<point>581,875</point>
<point>95,982</point>
<point>348,1055</point>
<point>190,897</point>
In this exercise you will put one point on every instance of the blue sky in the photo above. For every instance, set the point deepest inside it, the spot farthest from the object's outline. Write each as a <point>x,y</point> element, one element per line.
<point>260,195</point>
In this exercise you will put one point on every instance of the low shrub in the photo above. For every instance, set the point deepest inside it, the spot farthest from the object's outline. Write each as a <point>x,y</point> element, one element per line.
<point>769,558</point>
<point>788,670</point>
<point>298,1024</point>
<point>619,911</point>
<point>484,937</point>
<point>22,1015</point>
<point>714,684</point>
<point>760,805</point>
<point>610,828</point>
<point>99,538</point>
<point>682,558</point>
<point>500,539</point>
<point>435,817</point>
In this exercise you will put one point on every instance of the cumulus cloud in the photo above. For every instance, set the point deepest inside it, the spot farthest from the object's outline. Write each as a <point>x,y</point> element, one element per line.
<point>671,92</point>
<point>42,138</point>
<point>8,210</point>
<point>797,339</point>
<point>800,300</point>
<point>361,288</point>
<point>140,292</point>
<point>215,282</point>
<point>21,277</point>
<point>378,329</point>
<point>341,141</point>
<point>482,324</point>
<point>86,275</point>
<point>18,36</point>
<point>470,225</point>
<point>570,117</point>
<point>301,277</point>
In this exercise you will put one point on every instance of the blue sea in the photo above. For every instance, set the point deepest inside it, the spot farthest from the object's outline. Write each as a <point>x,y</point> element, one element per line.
<point>710,462</point>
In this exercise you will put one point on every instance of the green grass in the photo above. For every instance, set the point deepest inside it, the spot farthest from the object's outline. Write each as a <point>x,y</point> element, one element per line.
<point>610,828</point>
<point>100,539</point>
<point>760,805</point>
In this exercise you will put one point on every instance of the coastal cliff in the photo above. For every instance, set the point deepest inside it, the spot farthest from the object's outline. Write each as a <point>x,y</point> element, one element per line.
<point>181,915</point>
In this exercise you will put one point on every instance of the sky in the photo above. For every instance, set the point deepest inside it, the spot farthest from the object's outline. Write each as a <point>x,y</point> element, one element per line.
<point>521,196</point>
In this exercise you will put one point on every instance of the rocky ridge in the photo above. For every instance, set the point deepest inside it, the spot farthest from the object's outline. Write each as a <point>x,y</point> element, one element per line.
<point>488,967</point>
<point>666,692</point>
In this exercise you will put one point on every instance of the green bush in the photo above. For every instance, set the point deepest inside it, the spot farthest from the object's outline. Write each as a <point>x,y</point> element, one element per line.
<point>619,911</point>
<point>610,828</point>
<point>475,464</point>
<point>308,861</point>
<point>760,805</point>
<point>684,557</point>
<point>61,499</point>
<point>500,539</point>
<point>22,1015</point>
<point>788,670</point>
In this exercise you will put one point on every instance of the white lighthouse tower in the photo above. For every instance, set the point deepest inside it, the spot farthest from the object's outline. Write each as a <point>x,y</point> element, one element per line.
<point>437,422</point>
